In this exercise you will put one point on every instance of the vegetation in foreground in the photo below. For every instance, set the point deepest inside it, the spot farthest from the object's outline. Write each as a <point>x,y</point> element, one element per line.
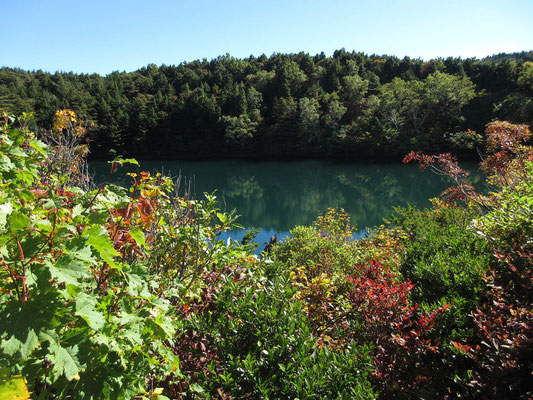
<point>113,293</point>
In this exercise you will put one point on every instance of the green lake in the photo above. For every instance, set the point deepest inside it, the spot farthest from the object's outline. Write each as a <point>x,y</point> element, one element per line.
<point>276,196</point>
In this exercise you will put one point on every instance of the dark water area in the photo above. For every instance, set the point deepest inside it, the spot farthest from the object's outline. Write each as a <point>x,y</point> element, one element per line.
<point>277,196</point>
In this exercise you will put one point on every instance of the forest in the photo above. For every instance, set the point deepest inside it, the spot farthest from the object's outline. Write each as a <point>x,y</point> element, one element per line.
<point>347,106</point>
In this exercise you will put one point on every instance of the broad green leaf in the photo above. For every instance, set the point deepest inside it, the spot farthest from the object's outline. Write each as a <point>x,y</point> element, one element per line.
<point>20,335</point>
<point>138,236</point>
<point>137,285</point>
<point>17,151</point>
<point>133,334</point>
<point>125,318</point>
<point>18,221</point>
<point>64,359</point>
<point>163,324</point>
<point>6,164</point>
<point>197,388</point>
<point>29,344</point>
<point>68,270</point>
<point>25,176</point>
<point>39,146</point>
<point>223,218</point>
<point>11,346</point>
<point>77,210</point>
<point>122,161</point>
<point>103,339</point>
<point>98,239</point>
<point>78,250</point>
<point>86,308</point>
<point>44,225</point>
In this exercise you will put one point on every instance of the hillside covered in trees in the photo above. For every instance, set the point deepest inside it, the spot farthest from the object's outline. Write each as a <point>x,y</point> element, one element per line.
<point>350,105</point>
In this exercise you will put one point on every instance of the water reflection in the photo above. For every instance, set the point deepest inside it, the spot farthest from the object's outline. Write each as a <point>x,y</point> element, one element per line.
<point>276,196</point>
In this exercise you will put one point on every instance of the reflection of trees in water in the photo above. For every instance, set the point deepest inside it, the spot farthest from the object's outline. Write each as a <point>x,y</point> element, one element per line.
<point>308,201</point>
<point>248,193</point>
<point>280,195</point>
<point>368,193</point>
<point>390,188</point>
<point>246,187</point>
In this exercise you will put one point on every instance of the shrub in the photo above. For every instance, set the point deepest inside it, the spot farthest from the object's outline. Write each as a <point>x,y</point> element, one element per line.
<point>380,313</point>
<point>85,282</point>
<point>257,344</point>
<point>81,321</point>
<point>325,248</point>
<point>499,346</point>
<point>443,256</point>
<point>504,325</point>
<point>367,304</point>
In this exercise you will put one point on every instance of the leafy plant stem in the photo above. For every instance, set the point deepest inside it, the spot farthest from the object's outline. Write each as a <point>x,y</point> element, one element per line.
<point>101,188</point>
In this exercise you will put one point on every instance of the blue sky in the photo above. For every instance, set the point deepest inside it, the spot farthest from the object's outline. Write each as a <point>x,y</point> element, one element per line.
<point>87,36</point>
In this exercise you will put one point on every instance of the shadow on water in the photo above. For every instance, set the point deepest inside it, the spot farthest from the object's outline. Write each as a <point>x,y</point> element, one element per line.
<point>277,196</point>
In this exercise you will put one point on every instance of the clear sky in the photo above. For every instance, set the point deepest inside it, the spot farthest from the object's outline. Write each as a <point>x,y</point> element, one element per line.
<point>102,36</point>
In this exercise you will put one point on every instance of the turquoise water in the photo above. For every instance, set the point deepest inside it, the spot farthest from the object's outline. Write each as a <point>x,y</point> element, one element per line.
<point>277,196</point>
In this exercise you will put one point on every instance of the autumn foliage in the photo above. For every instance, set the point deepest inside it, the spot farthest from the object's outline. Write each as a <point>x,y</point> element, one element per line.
<point>381,313</point>
<point>112,292</point>
<point>500,349</point>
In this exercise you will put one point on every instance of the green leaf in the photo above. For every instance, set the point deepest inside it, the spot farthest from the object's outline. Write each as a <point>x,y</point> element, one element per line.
<point>122,161</point>
<point>44,225</point>
<point>166,327</point>
<point>66,362</point>
<point>137,285</point>
<point>64,359</point>
<point>29,344</point>
<point>18,221</point>
<point>20,335</point>
<point>134,335</point>
<point>77,210</point>
<point>77,250</point>
<point>11,345</point>
<point>197,388</point>
<point>5,211</point>
<point>98,239</point>
<point>17,151</point>
<point>68,270</point>
<point>138,236</point>
<point>6,164</point>
<point>86,309</point>
<point>25,176</point>
<point>39,146</point>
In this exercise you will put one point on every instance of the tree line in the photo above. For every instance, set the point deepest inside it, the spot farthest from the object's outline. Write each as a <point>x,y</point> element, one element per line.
<point>350,105</point>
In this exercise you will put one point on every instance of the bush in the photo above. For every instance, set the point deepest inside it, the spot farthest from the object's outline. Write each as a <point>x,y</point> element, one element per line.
<point>380,313</point>
<point>504,325</point>
<point>258,344</point>
<point>346,302</point>
<point>89,277</point>
<point>327,247</point>
<point>81,322</point>
<point>496,354</point>
<point>443,256</point>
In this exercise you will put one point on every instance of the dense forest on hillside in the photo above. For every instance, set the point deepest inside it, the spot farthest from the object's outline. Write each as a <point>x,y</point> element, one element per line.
<point>350,105</point>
